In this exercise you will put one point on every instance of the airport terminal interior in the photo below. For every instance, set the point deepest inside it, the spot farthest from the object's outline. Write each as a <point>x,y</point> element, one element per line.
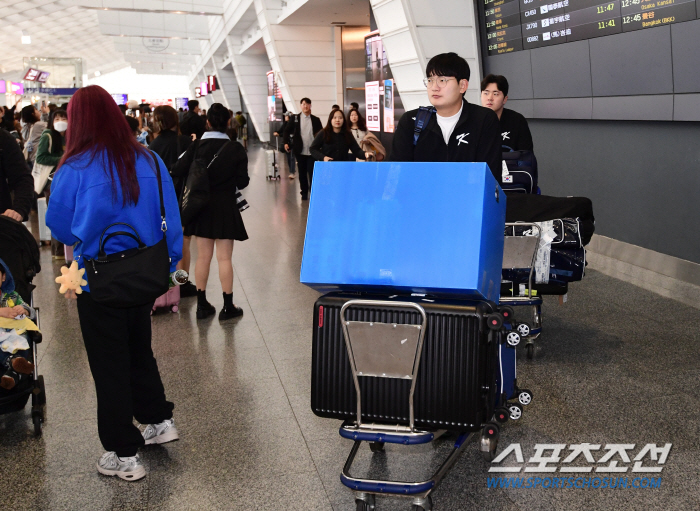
<point>572,386</point>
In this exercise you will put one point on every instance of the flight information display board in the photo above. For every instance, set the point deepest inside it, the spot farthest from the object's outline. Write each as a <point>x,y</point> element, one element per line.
<point>513,25</point>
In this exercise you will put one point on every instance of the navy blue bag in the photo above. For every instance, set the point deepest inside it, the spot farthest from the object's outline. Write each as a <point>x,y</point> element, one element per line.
<point>522,171</point>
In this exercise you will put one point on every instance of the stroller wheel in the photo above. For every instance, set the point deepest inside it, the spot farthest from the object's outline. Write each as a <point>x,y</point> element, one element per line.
<point>36,419</point>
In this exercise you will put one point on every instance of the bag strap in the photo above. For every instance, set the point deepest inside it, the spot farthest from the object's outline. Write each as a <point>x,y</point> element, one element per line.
<point>218,152</point>
<point>103,240</point>
<point>163,225</point>
<point>422,118</point>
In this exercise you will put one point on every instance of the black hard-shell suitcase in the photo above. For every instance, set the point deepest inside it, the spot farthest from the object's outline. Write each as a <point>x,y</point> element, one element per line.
<point>456,382</point>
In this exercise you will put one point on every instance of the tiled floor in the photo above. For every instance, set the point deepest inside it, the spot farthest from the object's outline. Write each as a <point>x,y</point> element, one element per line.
<point>616,364</point>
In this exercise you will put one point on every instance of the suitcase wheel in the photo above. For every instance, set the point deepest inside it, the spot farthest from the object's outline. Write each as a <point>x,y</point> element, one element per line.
<point>495,321</point>
<point>513,339</point>
<point>489,441</point>
<point>523,329</point>
<point>501,415</point>
<point>174,308</point>
<point>508,312</point>
<point>515,411</point>
<point>525,397</point>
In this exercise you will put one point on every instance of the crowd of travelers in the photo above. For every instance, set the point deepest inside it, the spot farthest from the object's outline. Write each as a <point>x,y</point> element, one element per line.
<point>100,165</point>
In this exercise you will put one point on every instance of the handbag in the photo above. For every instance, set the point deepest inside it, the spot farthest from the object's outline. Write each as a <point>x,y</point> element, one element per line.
<point>195,195</point>
<point>41,173</point>
<point>132,277</point>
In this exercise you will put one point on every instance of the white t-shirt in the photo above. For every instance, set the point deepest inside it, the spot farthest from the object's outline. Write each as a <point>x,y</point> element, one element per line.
<point>447,124</point>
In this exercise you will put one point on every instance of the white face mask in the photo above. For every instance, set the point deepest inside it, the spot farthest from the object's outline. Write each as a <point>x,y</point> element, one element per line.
<point>60,126</point>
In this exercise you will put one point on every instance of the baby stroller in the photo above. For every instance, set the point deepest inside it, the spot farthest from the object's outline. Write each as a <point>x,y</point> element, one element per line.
<point>20,252</point>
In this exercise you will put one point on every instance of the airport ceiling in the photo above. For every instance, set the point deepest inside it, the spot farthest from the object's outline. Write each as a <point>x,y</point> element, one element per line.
<point>152,36</point>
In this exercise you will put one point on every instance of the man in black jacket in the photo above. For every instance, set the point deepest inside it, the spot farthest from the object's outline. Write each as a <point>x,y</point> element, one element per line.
<point>303,128</point>
<point>15,177</point>
<point>515,133</point>
<point>458,130</point>
<point>193,123</point>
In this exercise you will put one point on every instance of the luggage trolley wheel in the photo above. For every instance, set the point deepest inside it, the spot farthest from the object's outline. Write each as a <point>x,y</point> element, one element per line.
<point>530,350</point>
<point>366,503</point>
<point>426,504</point>
<point>515,411</point>
<point>523,329</point>
<point>489,441</point>
<point>524,397</point>
<point>376,446</point>
<point>513,338</point>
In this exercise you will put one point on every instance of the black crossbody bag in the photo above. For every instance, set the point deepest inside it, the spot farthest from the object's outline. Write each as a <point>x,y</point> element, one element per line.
<point>133,277</point>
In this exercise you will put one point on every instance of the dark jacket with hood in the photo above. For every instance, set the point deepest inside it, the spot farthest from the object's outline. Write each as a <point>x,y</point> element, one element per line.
<point>475,138</point>
<point>15,177</point>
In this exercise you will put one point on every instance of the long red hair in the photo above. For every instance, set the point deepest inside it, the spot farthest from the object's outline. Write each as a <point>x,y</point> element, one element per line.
<point>97,126</point>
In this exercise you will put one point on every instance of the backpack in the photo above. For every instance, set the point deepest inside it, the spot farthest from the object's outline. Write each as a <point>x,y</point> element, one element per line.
<point>195,195</point>
<point>522,171</point>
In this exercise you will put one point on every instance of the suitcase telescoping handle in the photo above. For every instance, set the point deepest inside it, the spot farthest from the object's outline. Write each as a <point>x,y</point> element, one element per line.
<point>384,350</point>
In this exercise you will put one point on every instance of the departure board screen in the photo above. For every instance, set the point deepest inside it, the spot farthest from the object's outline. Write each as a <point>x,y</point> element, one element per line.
<point>513,25</point>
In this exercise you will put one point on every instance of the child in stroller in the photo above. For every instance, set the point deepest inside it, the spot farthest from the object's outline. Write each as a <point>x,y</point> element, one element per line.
<point>17,329</point>
<point>19,252</point>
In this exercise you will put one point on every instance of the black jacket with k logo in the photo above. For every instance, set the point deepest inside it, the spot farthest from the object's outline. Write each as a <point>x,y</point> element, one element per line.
<point>476,138</point>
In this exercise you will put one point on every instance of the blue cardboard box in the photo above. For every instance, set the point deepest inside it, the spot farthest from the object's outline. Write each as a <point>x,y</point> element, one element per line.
<point>433,228</point>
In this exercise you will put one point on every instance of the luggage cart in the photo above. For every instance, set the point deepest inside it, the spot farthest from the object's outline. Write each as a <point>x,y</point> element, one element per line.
<point>520,252</point>
<point>373,351</point>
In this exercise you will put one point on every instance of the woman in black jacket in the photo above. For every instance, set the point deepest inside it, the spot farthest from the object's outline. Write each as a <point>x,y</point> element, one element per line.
<point>169,144</point>
<point>220,222</point>
<point>335,142</point>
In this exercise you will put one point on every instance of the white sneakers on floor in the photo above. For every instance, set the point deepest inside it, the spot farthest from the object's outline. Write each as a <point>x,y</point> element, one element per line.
<point>160,433</point>
<point>129,469</point>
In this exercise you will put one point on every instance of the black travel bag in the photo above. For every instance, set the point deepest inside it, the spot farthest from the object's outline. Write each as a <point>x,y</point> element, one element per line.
<point>538,208</point>
<point>456,380</point>
<point>565,265</point>
<point>522,172</point>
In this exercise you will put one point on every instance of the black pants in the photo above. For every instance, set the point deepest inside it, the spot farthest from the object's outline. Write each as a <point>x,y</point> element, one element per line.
<point>127,381</point>
<point>306,173</point>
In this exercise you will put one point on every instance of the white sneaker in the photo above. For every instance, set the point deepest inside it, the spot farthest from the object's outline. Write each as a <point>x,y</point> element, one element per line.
<point>129,469</point>
<point>160,433</point>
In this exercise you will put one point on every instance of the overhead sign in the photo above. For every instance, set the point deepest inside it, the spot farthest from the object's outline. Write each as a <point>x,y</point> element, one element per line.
<point>197,92</point>
<point>3,88</point>
<point>120,99</point>
<point>43,76</point>
<point>15,88</point>
<point>388,106</point>
<point>372,106</point>
<point>32,74</point>
<point>156,44</point>
<point>212,83</point>
<point>203,89</point>
<point>181,103</point>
